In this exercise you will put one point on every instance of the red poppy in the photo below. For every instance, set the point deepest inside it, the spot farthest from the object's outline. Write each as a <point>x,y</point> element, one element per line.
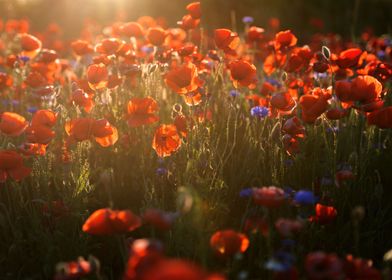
<point>287,228</point>
<point>226,243</point>
<point>6,81</point>
<point>97,76</point>
<point>291,144</point>
<point>381,118</point>
<point>173,269</point>
<point>255,34</point>
<point>156,36</point>
<point>109,46</point>
<point>132,29</point>
<point>144,254</point>
<point>314,105</point>
<point>365,89</point>
<point>336,113</point>
<point>30,45</point>
<point>319,266</point>
<point>11,164</point>
<point>166,140</point>
<point>81,47</point>
<point>285,40</point>
<point>356,268</point>
<point>324,214</point>
<point>76,269</point>
<point>107,222</point>
<point>84,128</point>
<point>194,10</point>
<point>12,124</point>
<point>188,23</point>
<point>243,74</point>
<point>39,134</point>
<point>294,127</point>
<point>226,40</point>
<point>82,99</point>
<point>32,149</point>
<point>183,79</point>
<point>349,58</point>
<point>270,197</point>
<point>283,102</point>
<point>142,111</point>
<point>159,219</point>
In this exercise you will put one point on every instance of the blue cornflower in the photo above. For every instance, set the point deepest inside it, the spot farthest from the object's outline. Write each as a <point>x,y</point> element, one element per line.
<point>281,261</point>
<point>24,58</point>
<point>247,20</point>
<point>304,197</point>
<point>248,192</point>
<point>273,82</point>
<point>259,111</point>
<point>32,109</point>
<point>161,171</point>
<point>234,93</point>
<point>147,49</point>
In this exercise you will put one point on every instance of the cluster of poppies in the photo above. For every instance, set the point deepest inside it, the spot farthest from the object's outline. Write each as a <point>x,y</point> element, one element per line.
<point>99,87</point>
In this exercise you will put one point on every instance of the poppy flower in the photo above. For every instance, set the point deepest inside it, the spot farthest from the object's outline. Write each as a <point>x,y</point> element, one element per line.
<point>6,81</point>
<point>381,118</point>
<point>173,269</point>
<point>32,149</point>
<point>159,218</point>
<point>342,176</point>
<point>243,74</point>
<point>144,254</point>
<point>343,90</point>
<point>356,268</point>
<point>183,79</point>
<point>291,144</point>
<point>39,134</point>
<point>84,128</point>
<point>294,127</point>
<point>82,99</point>
<point>81,48</point>
<point>336,113</point>
<point>349,58</point>
<point>109,46</point>
<point>285,40</point>
<point>107,222</point>
<point>193,98</point>
<point>194,10</point>
<point>324,214</point>
<point>97,76</point>
<point>226,243</point>
<point>76,269</point>
<point>255,34</point>
<point>188,23</point>
<point>319,265</point>
<point>142,111</point>
<point>11,165</point>
<point>166,140</point>
<point>156,36</point>
<point>132,29</point>
<point>12,124</point>
<point>183,124</point>
<point>270,197</point>
<point>365,89</point>
<point>30,45</point>
<point>283,102</point>
<point>226,40</point>
<point>44,117</point>
<point>313,105</point>
<point>287,228</point>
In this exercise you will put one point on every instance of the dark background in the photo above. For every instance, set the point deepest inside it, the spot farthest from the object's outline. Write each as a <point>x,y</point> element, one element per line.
<point>338,15</point>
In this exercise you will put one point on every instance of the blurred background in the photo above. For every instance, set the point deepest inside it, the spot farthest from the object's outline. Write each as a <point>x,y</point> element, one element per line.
<point>302,16</point>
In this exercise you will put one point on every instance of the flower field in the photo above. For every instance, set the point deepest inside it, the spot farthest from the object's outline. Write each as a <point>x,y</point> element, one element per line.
<point>142,151</point>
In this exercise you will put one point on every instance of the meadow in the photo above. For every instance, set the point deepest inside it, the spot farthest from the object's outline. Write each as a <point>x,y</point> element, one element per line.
<point>140,151</point>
